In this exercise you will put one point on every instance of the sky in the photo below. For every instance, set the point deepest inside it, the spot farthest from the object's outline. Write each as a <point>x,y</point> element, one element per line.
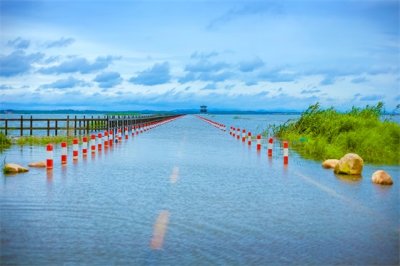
<point>167,55</point>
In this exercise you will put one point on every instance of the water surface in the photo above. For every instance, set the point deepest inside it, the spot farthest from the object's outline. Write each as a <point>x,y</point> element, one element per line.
<point>187,193</point>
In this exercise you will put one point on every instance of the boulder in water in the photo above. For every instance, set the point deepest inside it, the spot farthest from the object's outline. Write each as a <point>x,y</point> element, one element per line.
<point>41,164</point>
<point>330,163</point>
<point>350,164</point>
<point>382,178</point>
<point>12,168</point>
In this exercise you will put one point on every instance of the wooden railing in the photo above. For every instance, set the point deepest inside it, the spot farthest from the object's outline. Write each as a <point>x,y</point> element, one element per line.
<point>71,125</point>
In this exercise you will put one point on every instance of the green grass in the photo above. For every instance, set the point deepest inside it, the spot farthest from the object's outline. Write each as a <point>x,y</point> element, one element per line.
<point>4,142</point>
<point>43,140</point>
<point>326,133</point>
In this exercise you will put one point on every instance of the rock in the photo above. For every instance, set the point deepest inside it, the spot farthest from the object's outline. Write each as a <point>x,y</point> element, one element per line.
<point>382,178</point>
<point>41,164</point>
<point>12,168</point>
<point>330,163</point>
<point>350,164</point>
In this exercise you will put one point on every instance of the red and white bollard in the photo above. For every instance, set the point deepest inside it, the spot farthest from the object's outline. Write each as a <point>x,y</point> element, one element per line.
<point>110,138</point>
<point>126,133</point>
<point>137,130</point>
<point>93,143</point>
<point>285,152</point>
<point>133,131</point>
<point>105,139</point>
<point>99,141</point>
<point>238,134</point>
<point>119,135</point>
<point>49,160</point>
<point>244,135</point>
<point>63,153</point>
<point>270,146</point>
<point>258,142</point>
<point>249,138</point>
<point>84,146</point>
<point>233,132</point>
<point>141,128</point>
<point>230,131</point>
<point>75,143</point>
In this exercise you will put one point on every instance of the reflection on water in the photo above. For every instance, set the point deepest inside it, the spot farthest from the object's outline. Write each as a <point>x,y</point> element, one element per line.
<point>349,178</point>
<point>160,228</point>
<point>187,193</point>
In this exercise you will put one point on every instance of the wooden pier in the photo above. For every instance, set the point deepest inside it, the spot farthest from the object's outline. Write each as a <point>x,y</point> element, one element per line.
<point>72,126</point>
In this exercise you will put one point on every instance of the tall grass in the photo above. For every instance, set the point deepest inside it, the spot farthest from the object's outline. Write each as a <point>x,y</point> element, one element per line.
<point>325,133</point>
<point>4,142</point>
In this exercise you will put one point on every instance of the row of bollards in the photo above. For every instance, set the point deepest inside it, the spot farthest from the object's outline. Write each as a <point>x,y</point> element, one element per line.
<point>105,139</point>
<point>239,134</point>
<point>213,123</point>
<point>235,133</point>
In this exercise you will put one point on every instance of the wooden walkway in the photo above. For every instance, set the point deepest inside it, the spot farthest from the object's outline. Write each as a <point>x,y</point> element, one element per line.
<point>72,126</point>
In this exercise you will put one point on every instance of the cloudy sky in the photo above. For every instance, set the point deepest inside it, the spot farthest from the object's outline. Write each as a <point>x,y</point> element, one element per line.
<point>164,55</point>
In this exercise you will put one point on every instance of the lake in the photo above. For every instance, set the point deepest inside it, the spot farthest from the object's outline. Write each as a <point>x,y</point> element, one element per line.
<point>186,193</point>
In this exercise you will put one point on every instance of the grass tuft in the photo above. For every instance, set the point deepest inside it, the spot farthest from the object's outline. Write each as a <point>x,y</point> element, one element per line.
<point>4,142</point>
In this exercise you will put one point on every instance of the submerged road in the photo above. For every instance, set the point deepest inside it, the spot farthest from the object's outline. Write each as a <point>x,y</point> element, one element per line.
<point>186,193</point>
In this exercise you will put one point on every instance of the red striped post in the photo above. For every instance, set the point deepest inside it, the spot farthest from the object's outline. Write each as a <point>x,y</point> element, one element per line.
<point>126,133</point>
<point>249,138</point>
<point>75,143</point>
<point>238,134</point>
<point>141,128</point>
<point>137,130</point>
<point>230,131</point>
<point>258,142</point>
<point>84,146</point>
<point>106,139</point>
<point>244,135</point>
<point>119,135</point>
<point>270,146</point>
<point>111,137</point>
<point>99,141</point>
<point>234,132</point>
<point>133,131</point>
<point>93,143</point>
<point>49,160</point>
<point>285,152</point>
<point>63,153</point>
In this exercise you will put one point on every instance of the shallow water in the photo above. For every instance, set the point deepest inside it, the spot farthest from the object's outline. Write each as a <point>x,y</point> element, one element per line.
<point>186,193</point>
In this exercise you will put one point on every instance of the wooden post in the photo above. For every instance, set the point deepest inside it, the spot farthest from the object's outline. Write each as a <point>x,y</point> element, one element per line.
<point>108,124</point>
<point>80,127</point>
<point>22,126</point>
<point>6,125</point>
<point>87,126</point>
<point>56,127</point>
<point>75,123</point>
<point>48,127</point>
<point>30,127</point>
<point>67,125</point>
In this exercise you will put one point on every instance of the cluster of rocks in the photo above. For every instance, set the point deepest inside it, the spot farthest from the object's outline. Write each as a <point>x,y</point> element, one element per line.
<point>352,164</point>
<point>12,168</point>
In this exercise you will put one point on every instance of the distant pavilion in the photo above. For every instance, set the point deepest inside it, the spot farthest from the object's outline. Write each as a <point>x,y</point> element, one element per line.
<point>203,109</point>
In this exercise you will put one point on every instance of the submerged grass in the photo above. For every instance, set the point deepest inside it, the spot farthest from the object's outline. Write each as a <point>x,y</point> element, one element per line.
<point>322,134</point>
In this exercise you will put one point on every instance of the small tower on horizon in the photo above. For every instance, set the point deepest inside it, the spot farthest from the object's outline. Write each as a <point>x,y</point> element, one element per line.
<point>203,109</point>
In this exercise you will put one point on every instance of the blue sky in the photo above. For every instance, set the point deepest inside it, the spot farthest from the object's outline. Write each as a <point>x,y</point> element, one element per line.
<point>164,55</point>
